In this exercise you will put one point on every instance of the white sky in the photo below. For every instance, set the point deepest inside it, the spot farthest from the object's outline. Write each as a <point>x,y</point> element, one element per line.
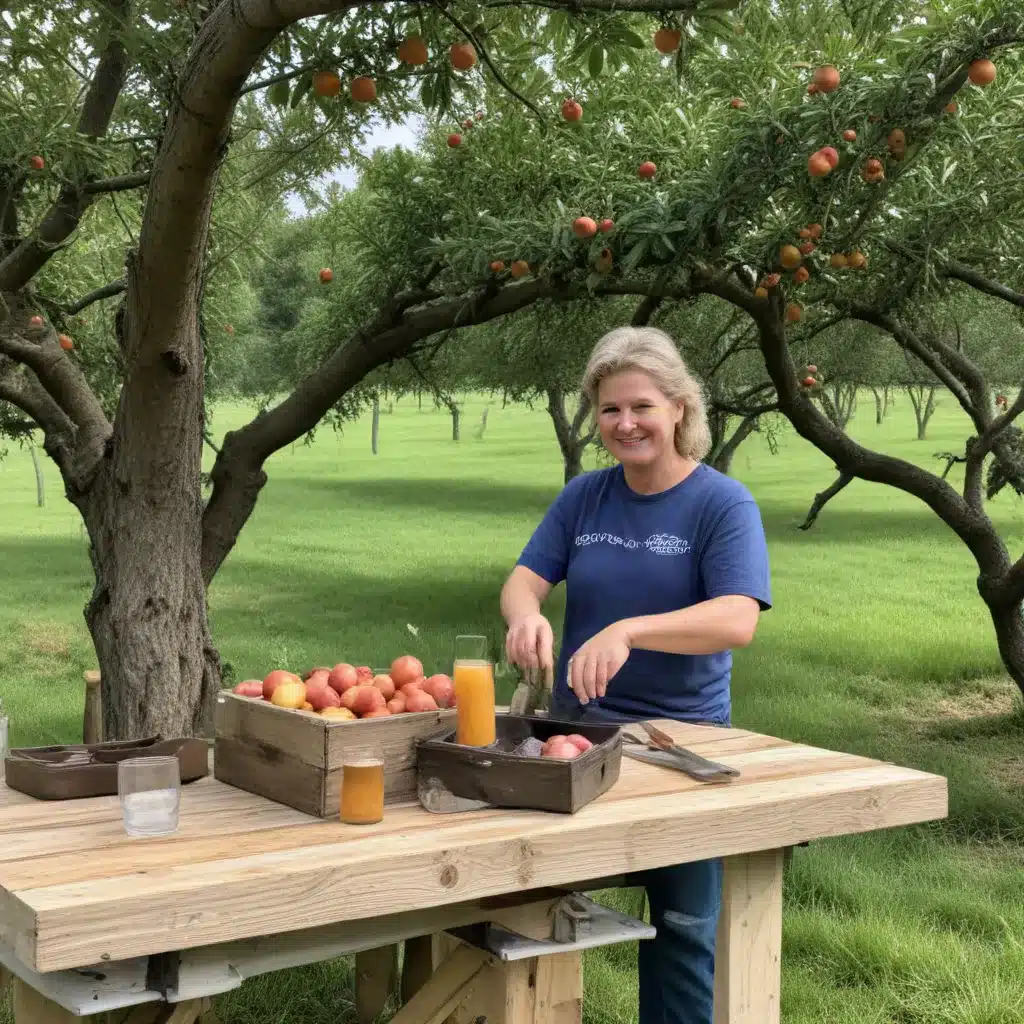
<point>380,136</point>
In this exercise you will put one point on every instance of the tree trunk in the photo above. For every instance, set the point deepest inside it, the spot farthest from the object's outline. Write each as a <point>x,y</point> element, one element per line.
<point>1009,627</point>
<point>571,441</point>
<point>923,401</point>
<point>879,411</point>
<point>40,484</point>
<point>453,408</point>
<point>722,458</point>
<point>483,424</point>
<point>375,426</point>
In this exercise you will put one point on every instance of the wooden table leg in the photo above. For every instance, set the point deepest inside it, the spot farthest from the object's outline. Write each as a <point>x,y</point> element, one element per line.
<point>749,945</point>
<point>417,964</point>
<point>376,976</point>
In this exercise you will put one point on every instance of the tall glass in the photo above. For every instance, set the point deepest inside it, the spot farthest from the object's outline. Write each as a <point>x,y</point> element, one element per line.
<point>473,676</point>
<point>362,785</point>
<point>150,792</point>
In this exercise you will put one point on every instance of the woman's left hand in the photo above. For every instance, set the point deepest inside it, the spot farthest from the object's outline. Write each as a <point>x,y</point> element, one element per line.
<point>594,664</point>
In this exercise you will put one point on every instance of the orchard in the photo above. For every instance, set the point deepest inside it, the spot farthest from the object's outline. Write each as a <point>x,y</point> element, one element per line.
<point>664,154</point>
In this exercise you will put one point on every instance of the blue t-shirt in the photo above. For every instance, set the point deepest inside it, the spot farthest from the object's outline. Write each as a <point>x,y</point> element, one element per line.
<point>624,554</point>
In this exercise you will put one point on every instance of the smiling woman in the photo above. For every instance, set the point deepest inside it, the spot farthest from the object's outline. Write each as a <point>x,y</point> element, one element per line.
<point>666,570</point>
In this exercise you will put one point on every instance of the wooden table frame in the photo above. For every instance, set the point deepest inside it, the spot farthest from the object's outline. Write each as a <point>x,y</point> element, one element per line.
<point>109,915</point>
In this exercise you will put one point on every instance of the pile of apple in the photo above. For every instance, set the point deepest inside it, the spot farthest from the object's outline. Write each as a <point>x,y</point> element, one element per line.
<point>354,691</point>
<point>566,747</point>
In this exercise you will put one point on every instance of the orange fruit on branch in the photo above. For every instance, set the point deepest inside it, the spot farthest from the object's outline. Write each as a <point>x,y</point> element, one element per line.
<point>761,292</point>
<point>363,89</point>
<point>857,260</point>
<point>736,103</point>
<point>455,139</point>
<point>981,72</point>
<point>800,275</point>
<point>838,260</point>
<point>812,89</point>
<point>326,275</point>
<point>65,342</point>
<point>849,135</point>
<point>831,155</point>
<point>826,78</point>
<point>951,107</point>
<point>462,56</point>
<point>806,248</point>
<point>584,227</point>
<point>872,170</point>
<point>771,280</point>
<point>36,321</point>
<point>326,83</point>
<point>818,165</point>
<point>647,169</point>
<point>815,230</point>
<point>520,268</point>
<point>789,257</point>
<point>666,40</point>
<point>413,51</point>
<point>571,110</point>
<point>606,225</point>
<point>897,143</point>
<point>37,162</point>
<point>793,312</point>
<point>497,266</point>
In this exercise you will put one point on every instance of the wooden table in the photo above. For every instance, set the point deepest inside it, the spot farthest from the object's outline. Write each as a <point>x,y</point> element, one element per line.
<point>249,881</point>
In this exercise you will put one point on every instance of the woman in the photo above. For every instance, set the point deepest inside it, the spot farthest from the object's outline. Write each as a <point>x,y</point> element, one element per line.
<point>666,570</point>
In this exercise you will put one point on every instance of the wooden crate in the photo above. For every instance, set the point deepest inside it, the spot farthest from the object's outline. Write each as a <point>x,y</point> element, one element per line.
<point>295,757</point>
<point>505,779</point>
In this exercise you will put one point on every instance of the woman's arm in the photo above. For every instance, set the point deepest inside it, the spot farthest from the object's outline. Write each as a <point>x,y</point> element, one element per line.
<point>530,641</point>
<point>719,624</point>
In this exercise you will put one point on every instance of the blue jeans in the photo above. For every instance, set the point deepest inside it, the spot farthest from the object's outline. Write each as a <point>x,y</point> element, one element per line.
<point>677,967</point>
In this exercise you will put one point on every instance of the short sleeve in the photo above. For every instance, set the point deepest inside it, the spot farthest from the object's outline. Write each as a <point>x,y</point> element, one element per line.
<point>735,559</point>
<point>547,552</point>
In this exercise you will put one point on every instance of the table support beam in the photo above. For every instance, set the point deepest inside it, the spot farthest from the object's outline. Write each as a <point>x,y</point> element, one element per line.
<point>749,945</point>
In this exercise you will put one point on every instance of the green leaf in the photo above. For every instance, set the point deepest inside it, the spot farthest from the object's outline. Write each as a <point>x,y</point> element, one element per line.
<point>596,60</point>
<point>629,38</point>
<point>303,86</point>
<point>278,94</point>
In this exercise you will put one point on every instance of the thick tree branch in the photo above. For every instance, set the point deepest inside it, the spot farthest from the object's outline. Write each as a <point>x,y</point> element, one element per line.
<point>961,272</point>
<point>30,255</point>
<point>24,392</point>
<point>979,447</point>
<point>107,291</point>
<point>120,183</point>
<point>822,498</point>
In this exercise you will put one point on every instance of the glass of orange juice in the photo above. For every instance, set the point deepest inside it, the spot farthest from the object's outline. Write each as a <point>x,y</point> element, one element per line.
<point>362,785</point>
<point>473,677</point>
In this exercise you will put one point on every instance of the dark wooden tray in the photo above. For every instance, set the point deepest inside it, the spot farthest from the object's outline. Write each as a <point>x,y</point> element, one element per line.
<point>505,779</point>
<point>77,770</point>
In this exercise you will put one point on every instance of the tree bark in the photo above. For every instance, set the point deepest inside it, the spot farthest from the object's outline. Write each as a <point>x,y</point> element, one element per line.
<point>453,408</point>
<point>879,410</point>
<point>1009,627</point>
<point>40,483</point>
<point>375,426</point>
<point>923,401</point>
<point>822,498</point>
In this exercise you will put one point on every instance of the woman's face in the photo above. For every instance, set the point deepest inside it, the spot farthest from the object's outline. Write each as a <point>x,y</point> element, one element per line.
<point>636,419</point>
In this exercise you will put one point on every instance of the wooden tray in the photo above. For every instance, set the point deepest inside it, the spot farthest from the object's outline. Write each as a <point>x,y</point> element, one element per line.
<point>504,779</point>
<point>295,757</point>
<point>78,770</point>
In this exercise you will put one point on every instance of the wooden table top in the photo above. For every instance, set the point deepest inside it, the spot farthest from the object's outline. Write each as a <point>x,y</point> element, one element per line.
<point>75,890</point>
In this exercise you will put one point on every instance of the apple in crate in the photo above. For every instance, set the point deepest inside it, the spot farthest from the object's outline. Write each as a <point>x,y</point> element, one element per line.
<point>275,679</point>
<point>322,697</point>
<point>249,688</point>
<point>342,676</point>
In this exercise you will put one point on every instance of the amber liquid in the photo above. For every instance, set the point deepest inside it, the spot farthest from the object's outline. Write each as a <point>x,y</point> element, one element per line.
<point>362,792</point>
<point>474,703</point>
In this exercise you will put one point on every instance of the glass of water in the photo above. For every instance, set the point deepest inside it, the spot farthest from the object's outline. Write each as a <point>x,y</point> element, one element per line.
<point>150,792</point>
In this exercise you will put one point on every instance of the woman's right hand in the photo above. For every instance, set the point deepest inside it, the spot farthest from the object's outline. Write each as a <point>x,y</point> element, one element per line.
<point>530,642</point>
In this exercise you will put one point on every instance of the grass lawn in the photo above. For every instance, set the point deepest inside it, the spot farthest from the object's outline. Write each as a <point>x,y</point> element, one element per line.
<point>877,644</point>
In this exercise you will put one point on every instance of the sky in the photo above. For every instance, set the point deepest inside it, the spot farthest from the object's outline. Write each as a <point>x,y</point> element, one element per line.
<point>380,136</point>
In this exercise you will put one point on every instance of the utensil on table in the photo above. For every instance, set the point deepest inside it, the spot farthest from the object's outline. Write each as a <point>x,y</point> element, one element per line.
<point>663,750</point>
<point>533,693</point>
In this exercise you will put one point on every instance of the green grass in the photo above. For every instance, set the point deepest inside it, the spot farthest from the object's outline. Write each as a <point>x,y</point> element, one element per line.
<point>877,644</point>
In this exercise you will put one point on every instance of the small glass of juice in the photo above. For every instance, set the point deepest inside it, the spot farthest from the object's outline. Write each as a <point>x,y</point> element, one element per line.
<point>362,786</point>
<point>473,677</point>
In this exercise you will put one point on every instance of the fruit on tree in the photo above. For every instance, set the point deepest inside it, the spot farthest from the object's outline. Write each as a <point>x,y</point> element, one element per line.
<point>806,248</point>
<point>497,266</point>
<point>37,163</point>
<point>849,135</point>
<point>951,107</point>
<point>326,83</point>
<point>815,230</point>
<point>363,89</point>
<point>606,225</point>
<point>771,280</point>
<point>462,56</point>
<point>647,169</point>
<point>520,268</point>
<point>897,143</point>
<point>808,382</point>
<point>571,110</point>
<point>818,165</point>
<point>981,72</point>
<point>761,292</point>
<point>812,89</point>
<point>666,40</point>
<point>479,115</point>
<point>65,342</point>
<point>831,155</point>
<point>800,275</point>
<point>413,50</point>
<point>789,257</point>
<point>584,227</point>
<point>736,103</point>
<point>793,312</point>
<point>872,171</point>
<point>826,78</point>
<point>455,139</point>
<point>811,368</point>
<point>326,275</point>
<point>857,260</point>
<point>36,321</point>
<point>229,329</point>
<point>838,260</point>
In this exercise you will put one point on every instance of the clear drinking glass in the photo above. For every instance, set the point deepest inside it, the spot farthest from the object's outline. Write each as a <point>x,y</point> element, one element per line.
<point>150,792</point>
<point>362,785</point>
<point>473,677</point>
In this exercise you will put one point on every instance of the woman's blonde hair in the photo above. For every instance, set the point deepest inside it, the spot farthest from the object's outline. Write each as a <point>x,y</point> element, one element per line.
<point>653,352</point>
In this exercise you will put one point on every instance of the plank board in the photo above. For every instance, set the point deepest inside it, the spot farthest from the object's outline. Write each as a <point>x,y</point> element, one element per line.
<point>75,891</point>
